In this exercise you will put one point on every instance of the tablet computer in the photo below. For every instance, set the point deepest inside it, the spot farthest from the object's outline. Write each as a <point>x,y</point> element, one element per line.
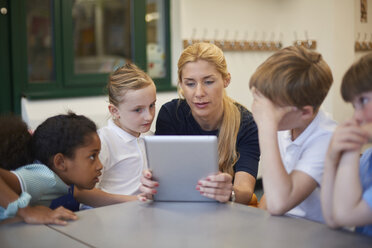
<point>178,162</point>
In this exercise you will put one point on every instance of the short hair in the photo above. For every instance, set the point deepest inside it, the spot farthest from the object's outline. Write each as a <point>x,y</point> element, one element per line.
<point>61,134</point>
<point>127,77</point>
<point>358,78</point>
<point>294,76</point>
<point>15,143</point>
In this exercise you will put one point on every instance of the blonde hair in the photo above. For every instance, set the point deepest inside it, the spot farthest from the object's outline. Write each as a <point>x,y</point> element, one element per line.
<point>230,124</point>
<point>294,76</point>
<point>127,77</point>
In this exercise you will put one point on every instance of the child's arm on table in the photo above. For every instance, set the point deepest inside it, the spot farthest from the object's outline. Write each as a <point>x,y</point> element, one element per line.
<point>97,198</point>
<point>347,137</point>
<point>349,207</point>
<point>31,215</point>
<point>328,180</point>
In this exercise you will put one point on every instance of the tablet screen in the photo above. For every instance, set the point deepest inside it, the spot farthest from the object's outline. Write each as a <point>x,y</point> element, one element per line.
<point>178,162</point>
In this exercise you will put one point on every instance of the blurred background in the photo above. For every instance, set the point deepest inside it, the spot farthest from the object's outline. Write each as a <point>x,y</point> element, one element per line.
<point>56,55</point>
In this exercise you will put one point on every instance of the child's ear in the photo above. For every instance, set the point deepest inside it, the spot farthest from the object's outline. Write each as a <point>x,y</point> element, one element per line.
<point>59,162</point>
<point>307,112</point>
<point>114,111</point>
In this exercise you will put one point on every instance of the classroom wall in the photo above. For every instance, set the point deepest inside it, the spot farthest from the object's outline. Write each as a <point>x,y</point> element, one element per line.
<point>334,24</point>
<point>363,30</point>
<point>332,27</point>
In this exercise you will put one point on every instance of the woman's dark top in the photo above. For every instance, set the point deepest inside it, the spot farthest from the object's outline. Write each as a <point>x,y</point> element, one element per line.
<point>175,118</point>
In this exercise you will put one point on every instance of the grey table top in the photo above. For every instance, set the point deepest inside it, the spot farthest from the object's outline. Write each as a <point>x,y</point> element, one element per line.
<point>20,235</point>
<point>181,224</point>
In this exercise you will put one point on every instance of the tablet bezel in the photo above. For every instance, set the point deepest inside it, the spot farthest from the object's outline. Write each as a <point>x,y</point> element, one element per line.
<point>178,162</point>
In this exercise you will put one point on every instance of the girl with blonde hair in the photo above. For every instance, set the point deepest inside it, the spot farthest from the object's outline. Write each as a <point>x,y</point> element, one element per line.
<point>132,97</point>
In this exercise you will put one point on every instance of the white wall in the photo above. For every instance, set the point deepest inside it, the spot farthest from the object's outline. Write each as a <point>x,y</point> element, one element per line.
<point>96,108</point>
<point>332,23</point>
<point>332,27</point>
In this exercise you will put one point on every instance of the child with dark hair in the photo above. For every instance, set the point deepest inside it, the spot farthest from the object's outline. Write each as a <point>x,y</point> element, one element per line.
<point>66,149</point>
<point>15,142</point>
<point>347,180</point>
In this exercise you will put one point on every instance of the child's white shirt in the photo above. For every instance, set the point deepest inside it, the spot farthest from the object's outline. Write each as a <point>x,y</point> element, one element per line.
<point>307,154</point>
<point>123,158</point>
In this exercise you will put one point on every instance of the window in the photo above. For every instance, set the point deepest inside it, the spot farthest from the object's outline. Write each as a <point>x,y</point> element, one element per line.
<point>101,35</point>
<point>157,46</point>
<point>156,39</point>
<point>40,43</point>
<point>67,48</point>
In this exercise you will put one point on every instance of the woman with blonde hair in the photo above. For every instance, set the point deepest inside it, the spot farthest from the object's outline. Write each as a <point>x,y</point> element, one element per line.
<point>205,109</point>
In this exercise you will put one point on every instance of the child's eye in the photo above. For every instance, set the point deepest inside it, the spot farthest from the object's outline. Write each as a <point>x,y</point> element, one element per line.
<point>92,157</point>
<point>364,100</point>
<point>138,110</point>
<point>152,105</point>
<point>360,102</point>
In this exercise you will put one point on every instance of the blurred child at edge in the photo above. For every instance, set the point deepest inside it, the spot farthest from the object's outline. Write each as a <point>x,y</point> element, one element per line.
<point>347,180</point>
<point>15,142</point>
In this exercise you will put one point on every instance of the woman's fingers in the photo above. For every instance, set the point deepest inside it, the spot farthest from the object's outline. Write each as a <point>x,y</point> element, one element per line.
<point>215,191</point>
<point>220,177</point>
<point>221,195</point>
<point>215,184</point>
<point>217,187</point>
<point>220,198</point>
<point>221,181</point>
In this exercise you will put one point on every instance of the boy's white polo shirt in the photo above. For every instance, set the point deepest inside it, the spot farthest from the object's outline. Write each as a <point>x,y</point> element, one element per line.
<point>307,154</point>
<point>123,158</point>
